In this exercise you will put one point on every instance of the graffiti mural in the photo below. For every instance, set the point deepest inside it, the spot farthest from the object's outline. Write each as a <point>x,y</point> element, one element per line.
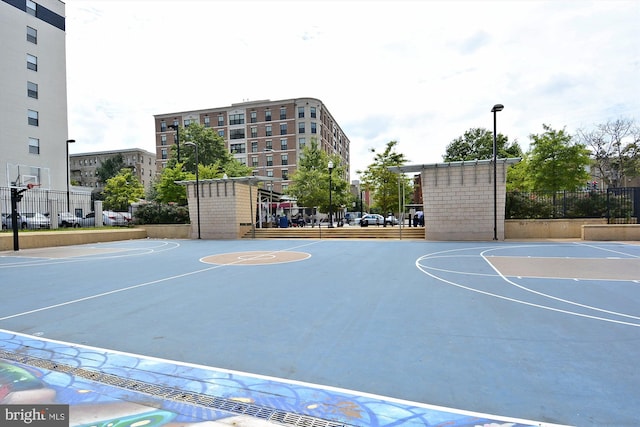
<point>185,395</point>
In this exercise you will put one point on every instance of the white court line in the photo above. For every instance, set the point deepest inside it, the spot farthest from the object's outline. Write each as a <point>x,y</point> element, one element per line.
<point>542,294</point>
<point>140,285</point>
<point>544,307</point>
<point>90,257</point>
<point>294,382</point>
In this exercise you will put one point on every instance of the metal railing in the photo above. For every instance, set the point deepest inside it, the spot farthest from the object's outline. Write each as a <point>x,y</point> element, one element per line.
<point>618,205</point>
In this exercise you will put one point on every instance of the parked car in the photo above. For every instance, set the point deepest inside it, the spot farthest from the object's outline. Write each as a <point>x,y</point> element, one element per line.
<point>30,220</point>
<point>67,219</point>
<point>5,217</point>
<point>113,218</point>
<point>89,220</point>
<point>370,219</point>
<point>391,219</point>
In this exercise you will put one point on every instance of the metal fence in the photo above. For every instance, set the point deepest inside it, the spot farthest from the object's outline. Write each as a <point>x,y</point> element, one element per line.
<point>47,202</point>
<point>618,205</point>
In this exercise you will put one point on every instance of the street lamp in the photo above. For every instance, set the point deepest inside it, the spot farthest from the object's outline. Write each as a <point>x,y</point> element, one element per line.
<point>69,141</point>
<point>197,184</point>
<point>494,110</point>
<point>177,129</point>
<point>330,165</point>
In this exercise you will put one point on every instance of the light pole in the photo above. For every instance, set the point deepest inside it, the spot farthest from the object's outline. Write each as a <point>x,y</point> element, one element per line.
<point>494,110</point>
<point>192,144</point>
<point>330,165</point>
<point>177,129</point>
<point>69,141</point>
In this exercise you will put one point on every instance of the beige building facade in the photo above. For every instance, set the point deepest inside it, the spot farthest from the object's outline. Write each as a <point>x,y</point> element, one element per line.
<point>84,166</point>
<point>267,136</point>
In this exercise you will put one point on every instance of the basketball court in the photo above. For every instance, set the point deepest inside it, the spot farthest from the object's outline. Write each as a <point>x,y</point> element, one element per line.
<point>324,332</point>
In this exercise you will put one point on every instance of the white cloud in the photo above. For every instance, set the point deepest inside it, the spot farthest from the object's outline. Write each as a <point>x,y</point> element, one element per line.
<point>419,72</point>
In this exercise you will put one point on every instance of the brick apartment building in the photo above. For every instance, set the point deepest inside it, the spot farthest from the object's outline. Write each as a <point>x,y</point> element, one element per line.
<point>83,166</point>
<point>266,135</point>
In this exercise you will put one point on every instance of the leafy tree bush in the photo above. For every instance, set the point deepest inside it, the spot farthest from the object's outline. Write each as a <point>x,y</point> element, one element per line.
<point>162,213</point>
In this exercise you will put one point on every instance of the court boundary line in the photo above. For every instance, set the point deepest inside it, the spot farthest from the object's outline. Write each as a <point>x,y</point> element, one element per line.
<point>293,382</point>
<point>519,301</point>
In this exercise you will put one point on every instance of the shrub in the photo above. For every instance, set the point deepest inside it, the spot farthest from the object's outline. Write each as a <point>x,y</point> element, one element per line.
<point>161,213</point>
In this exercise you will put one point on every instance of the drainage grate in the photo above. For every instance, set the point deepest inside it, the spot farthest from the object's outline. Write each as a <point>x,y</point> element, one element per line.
<point>169,393</point>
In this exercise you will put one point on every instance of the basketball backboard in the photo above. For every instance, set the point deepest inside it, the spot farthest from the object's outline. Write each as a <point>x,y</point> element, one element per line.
<point>25,176</point>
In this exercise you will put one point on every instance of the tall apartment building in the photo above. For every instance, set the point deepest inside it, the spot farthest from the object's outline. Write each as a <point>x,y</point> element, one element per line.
<point>33,88</point>
<point>265,135</point>
<point>84,166</point>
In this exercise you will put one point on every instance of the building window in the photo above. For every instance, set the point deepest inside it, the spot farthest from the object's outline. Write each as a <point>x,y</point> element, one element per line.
<point>300,127</point>
<point>33,118</point>
<point>254,146</point>
<point>312,110</point>
<point>31,7</point>
<point>267,116</point>
<point>32,62</point>
<point>221,133</point>
<point>301,112</point>
<point>163,126</point>
<point>283,113</point>
<point>254,161</point>
<point>236,134</point>
<point>32,35</point>
<point>270,173</point>
<point>285,188</point>
<point>254,117</point>
<point>269,160</point>
<point>207,121</point>
<point>283,128</point>
<point>284,159</point>
<point>254,132</point>
<point>269,144</point>
<point>267,130</point>
<point>313,127</point>
<point>220,120</point>
<point>283,144</point>
<point>285,173</point>
<point>236,119</point>
<point>163,154</point>
<point>34,146</point>
<point>302,142</point>
<point>163,139</point>
<point>32,90</point>
<point>238,148</point>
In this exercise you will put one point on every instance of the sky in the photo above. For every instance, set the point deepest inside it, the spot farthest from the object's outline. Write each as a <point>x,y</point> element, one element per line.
<point>417,72</point>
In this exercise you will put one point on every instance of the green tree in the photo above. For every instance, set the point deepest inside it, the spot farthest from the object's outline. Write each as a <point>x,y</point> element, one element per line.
<point>477,144</point>
<point>122,190</point>
<point>555,163</point>
<point>310,182</point>
<point>166,189</point>
<point>383,183</point>
<point>110,167</point>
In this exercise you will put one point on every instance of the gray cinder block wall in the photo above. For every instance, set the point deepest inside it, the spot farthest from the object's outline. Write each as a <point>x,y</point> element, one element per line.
<point>225,208</point>
<point>458,199</point>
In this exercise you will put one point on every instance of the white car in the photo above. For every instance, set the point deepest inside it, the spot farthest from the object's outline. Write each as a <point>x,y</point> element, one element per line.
<point>30,220</point>
<point>113,218</point>
<point>66,219</point>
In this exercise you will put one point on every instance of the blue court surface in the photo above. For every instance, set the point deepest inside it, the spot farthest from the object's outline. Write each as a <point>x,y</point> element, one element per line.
<point>325,332</point>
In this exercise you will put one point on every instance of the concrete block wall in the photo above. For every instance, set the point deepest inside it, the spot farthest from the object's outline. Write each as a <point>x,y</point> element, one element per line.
<point>225,208</point>
<point>458,200</point>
